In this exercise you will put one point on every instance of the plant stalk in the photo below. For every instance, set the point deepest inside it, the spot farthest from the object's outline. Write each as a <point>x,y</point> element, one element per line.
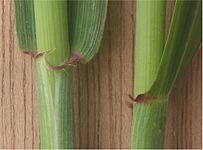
<point>155,75</point>
<point>148,119</point>
<point>55,86</point>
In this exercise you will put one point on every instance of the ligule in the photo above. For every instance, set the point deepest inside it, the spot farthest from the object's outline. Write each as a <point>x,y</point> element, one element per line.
<point>87,19</point>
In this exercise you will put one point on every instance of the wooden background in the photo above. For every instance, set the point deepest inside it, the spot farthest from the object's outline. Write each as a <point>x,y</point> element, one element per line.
<point>103,120</point>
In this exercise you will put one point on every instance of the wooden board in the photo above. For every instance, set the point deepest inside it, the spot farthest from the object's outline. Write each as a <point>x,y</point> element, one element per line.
<point>101,88</point>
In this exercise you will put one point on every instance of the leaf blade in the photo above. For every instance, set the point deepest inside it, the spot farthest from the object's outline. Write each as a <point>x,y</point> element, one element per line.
<point>25,24</point>
<point>87,20</point>
<point>183,41</point>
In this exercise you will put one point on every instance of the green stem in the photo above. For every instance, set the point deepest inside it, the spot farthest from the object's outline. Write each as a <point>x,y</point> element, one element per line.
<point>55,86</point>
<point>149,124</point>
<point>148,119</point>
<point>56,107</point>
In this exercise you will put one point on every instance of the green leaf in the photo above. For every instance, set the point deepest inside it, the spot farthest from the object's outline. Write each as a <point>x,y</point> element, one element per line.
<point>183,41</point>
<point>87,20</point>
<point>25,24</point>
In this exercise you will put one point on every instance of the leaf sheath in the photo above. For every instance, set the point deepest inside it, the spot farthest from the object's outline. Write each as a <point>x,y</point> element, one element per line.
<point>55,92</point>
<point>148,119</point>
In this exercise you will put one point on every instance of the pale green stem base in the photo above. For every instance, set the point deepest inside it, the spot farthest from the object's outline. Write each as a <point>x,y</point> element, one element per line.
<point>56,107</point>
<point>149,124</point>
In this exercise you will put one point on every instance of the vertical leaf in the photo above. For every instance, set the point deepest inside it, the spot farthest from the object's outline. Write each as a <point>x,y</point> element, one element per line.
<point>25,24</point>
<point>183,41</point>
<point>87,20</point>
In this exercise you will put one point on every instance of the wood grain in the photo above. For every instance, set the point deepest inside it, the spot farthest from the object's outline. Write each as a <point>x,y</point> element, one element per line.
<point>18,110</point>
<point>102,118</point>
